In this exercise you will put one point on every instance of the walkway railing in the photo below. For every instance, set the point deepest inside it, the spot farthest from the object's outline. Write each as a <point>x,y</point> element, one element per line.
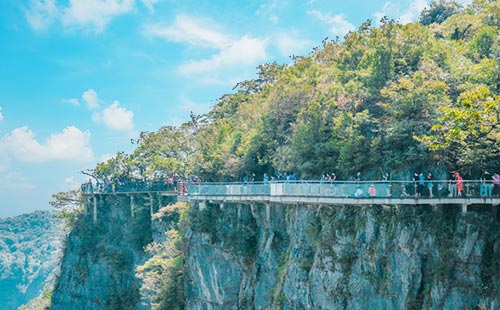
<point>352,189</point>
<point>341,189</point>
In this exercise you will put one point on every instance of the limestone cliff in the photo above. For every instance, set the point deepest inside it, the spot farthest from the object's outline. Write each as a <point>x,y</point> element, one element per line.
<point>281,256</point>
<point>102,252</point>
<point>330,257</point>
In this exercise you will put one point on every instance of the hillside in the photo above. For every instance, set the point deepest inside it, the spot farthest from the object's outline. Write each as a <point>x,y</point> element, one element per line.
<point>386,98</point>
<point>30,249</point>
<point>394,98</point>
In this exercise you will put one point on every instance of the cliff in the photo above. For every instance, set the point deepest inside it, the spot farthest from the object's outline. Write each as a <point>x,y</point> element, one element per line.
<point>98,267</point>
<point>328,257</point>
<point>279,256</point>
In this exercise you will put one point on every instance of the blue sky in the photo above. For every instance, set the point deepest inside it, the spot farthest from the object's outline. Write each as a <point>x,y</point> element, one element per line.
<point>80,78</point>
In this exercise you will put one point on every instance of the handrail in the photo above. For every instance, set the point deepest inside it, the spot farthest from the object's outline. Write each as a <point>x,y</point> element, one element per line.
<point>318,188</point>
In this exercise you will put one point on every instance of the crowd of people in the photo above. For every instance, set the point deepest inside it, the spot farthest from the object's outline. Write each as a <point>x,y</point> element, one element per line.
<point>421,185</point>
<point>113,185</point>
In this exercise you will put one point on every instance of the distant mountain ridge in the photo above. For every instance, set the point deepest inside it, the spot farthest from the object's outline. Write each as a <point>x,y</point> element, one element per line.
<point>30,249</point>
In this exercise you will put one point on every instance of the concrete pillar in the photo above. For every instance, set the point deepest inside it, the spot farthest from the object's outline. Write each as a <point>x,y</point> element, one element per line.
<point>132,206</point>
<point>202,205</point>
<point>95,209</point>
<point>464,208</point>
<point>151,204</point>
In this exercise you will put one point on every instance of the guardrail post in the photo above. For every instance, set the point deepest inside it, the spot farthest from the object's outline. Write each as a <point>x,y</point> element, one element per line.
<point>95,209</point>
<point>150,204</point>
<point>132,206</point>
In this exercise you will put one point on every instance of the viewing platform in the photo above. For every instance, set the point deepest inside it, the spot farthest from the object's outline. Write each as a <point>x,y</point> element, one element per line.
<point>434,193</point>
<point>470,192</point>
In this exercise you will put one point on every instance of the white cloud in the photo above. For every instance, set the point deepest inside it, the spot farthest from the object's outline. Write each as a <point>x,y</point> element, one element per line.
<point>403,15</point>
<point>71,145</point>
<point>339,25</point>
<point>245,51</point>
<point>94,14</point>
<point>105,157</point>
<point>71,183</point>
<point>41,13</point>
<point>72,101</point>
<point>1,114</point>
<point>268,10</point>
<point>230,52</point>
<point>91,99</point>
<point>149,4</point>
<point>115,117</point>
<point>290,43</point>
<point>190,30</point>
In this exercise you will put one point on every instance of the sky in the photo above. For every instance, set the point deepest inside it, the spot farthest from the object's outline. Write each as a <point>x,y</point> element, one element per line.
<point>80,78</point>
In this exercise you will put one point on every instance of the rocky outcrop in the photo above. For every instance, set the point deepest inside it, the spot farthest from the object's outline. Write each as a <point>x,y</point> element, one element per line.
<point>102,252</point>
<point>281,256</point>
<point>274,256</point>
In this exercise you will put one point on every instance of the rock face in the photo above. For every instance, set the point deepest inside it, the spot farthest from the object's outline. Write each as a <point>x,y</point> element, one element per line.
<point>98,267</point>
<point>30,249</point>
<point>342,257</point>
<point>284,256</point>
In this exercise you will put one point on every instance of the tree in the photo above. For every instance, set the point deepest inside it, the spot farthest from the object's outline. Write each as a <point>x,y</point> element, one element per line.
<point>438,12</point>
<point>468,131</point>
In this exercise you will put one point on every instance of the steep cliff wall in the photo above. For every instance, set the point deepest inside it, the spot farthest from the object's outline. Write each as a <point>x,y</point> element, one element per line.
<point>331,257</point>
<point>98,267</point>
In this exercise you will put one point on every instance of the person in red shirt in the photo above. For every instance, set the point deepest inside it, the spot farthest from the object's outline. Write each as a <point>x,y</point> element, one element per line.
<point>460,183</point>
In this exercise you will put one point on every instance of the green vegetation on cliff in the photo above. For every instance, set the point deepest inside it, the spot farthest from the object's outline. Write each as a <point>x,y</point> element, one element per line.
<point>393,97</point>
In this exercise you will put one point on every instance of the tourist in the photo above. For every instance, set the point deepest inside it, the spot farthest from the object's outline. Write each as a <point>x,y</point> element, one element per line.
<point>358,176</point>
<point>496,184</point>
<point>430,183</point>
<point>459,184</point>
<point>265,179</point>
<point>421,184</point>
<point>485,186</point>
<point>372,190</point>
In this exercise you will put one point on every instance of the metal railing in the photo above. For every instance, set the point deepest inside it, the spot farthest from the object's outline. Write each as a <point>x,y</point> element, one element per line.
<point>133,186</point>
<point>352,189</point>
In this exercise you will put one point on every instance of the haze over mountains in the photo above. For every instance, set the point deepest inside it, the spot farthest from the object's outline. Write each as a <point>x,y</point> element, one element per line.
<point>30,248</point>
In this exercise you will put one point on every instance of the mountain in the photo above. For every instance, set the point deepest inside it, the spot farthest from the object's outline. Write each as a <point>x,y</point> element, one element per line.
<point>30,249</point>
<point>392,98</point>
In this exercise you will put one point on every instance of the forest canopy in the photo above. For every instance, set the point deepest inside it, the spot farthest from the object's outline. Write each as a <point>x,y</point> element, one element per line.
<point>419,96</point>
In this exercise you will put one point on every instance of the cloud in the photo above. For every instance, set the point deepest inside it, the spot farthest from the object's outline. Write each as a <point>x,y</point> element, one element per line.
<point>149,4</point>
<point>189,30</point>
<point>105,157</point>
<point>267,10</point>
<point>71,144</point>
<point>395,11</point>
<point>93,15</point>
<point>290,43</point>
<point>339,25</point>
<point>115,117</point>
<point>230,52</point>
<point>245,51</point>
<point>1,114</point>
<point>72,101</point>
<point>91,99</point>
<point>41,13</point>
